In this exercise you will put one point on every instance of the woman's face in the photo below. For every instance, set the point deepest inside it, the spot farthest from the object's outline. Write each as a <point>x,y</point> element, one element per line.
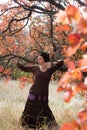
<point>41,60</point>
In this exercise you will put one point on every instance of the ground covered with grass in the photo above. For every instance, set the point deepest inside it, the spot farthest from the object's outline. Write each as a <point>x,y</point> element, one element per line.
<point>12,102</point>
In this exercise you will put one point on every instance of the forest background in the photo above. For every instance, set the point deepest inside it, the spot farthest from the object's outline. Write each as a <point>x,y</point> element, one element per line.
<point>58,27</point>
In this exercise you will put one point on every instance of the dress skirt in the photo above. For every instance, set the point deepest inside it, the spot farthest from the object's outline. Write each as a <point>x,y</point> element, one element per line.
<point>36,114</point>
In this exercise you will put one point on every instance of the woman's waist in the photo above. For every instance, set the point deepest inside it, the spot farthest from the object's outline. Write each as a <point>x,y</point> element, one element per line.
<point>39,90</point>
<point>39,97</point>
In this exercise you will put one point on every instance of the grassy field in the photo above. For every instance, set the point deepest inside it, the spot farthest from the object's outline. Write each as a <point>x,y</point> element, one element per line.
<point>12,102</point>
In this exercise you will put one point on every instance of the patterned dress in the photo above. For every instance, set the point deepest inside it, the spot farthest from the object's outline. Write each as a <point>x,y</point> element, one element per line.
<point>37,111</point>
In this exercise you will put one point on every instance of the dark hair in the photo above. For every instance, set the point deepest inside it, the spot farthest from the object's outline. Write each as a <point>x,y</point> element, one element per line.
<point>46,56</point>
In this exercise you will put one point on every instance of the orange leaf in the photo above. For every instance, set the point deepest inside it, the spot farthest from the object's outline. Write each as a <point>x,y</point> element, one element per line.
<point>78,87</point>
<point>60,89</point>
<point>64,80</point>
<point>74,38</point>
<point>70,126</point>
<point>73,13</point>
<point>82,86</point>
<point>76,74</point>
<point>70,64</point>
<point>82,25</point>
<point>68,95</point>
<point>72,50</point>
<point>84,46</point>
<point>82,64</point>
<point>84,127</point>
<point>65,27</point>
<point>82,116</point>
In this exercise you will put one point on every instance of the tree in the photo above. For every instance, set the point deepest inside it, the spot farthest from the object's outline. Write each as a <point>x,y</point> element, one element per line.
<point>36,25</point>
<point>13,32</point>
<point>18,14</point>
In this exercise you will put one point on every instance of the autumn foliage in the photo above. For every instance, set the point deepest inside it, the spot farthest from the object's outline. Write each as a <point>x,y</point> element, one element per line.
<point>66,28</point>
<point>71,82</point>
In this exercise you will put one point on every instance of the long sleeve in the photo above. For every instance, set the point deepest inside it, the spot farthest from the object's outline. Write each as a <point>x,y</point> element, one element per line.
<point>63,68</point>
<point>60,66</point>
<point>26,69</point>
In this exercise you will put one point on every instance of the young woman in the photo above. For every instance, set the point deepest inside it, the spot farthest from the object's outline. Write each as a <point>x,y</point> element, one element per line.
<point>37,111</point>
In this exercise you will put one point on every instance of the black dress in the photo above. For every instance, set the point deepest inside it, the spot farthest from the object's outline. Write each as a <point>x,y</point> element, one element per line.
<point>37,111</point>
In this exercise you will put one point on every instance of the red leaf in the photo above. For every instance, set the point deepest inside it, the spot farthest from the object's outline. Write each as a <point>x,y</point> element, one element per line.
<point>70,126</point>
<point>70,64</point>
<point>67,126</point>
<point>84,46</point>
<point>68,95</point>
<point>82,64</point>
<point>64,80</point>
<point>74,39</point>
<point>73,13</point>
<point>82,116</point>
<point>72,50</point>
<point>65,27</point>
<point>82,87</point>
<point>84,127</point>
<point>76,74</point>
<point>60,89</point>
<point>82,26</point>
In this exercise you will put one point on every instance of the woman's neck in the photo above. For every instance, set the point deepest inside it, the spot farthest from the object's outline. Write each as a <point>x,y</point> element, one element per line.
<point>45,66</point>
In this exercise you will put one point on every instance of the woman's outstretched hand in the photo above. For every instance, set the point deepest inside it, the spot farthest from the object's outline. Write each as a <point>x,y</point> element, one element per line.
<point>59,62</point>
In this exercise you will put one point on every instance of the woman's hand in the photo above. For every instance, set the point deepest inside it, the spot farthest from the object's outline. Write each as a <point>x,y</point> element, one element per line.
<point>60,61</point>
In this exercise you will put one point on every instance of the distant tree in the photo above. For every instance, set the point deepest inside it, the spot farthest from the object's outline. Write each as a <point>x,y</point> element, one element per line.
<point>56,26</point>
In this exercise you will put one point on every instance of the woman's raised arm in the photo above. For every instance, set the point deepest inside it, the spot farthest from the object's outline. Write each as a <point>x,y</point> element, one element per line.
<point>26,69</point>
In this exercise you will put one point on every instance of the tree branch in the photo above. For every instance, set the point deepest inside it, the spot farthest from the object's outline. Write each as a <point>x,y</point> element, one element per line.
<point>81,3</point>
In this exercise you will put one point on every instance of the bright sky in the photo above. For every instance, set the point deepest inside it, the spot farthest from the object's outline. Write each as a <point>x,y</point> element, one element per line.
<point>3,1</point>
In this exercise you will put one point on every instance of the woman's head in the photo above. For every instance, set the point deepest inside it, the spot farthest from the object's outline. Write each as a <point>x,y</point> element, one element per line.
<point>43,57</point>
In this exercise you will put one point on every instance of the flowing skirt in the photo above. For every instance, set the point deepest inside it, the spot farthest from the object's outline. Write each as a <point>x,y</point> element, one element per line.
<point>36,114</point>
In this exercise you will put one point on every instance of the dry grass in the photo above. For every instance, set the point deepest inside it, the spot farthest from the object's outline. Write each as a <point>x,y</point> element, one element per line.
<point>12,102</point>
